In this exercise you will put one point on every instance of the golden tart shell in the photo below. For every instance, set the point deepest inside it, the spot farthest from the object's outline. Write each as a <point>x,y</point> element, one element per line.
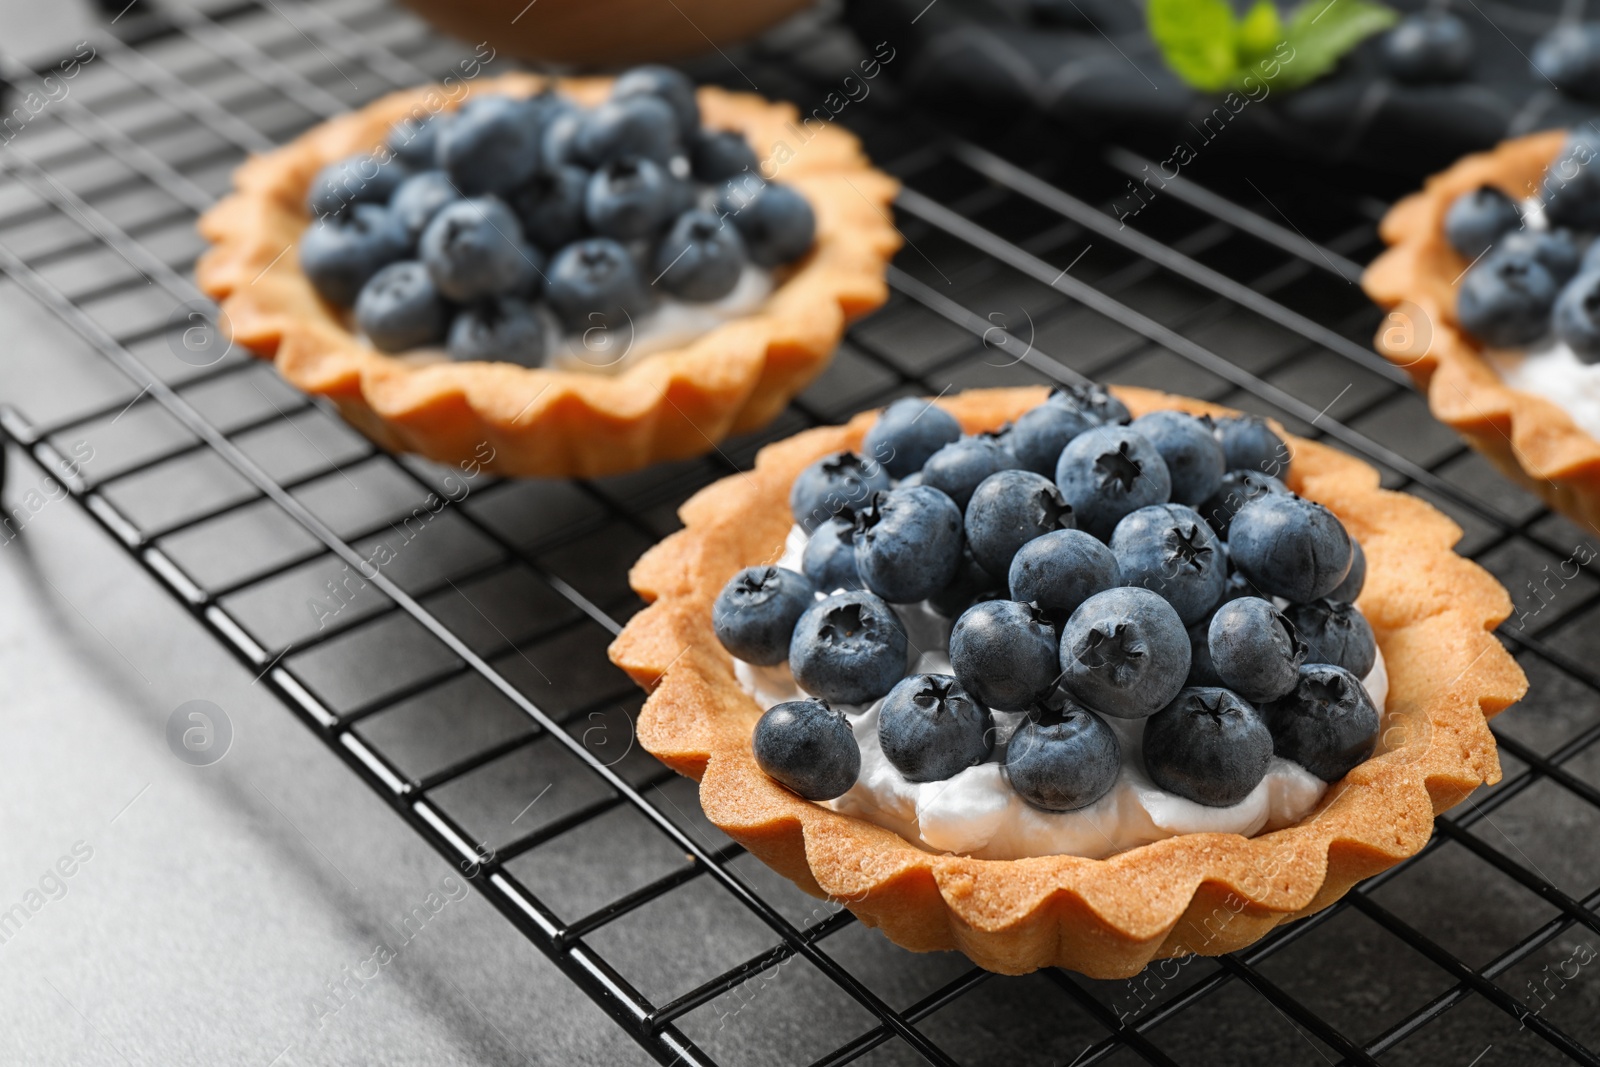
<point>1432,611</point>
<point>669,405</point>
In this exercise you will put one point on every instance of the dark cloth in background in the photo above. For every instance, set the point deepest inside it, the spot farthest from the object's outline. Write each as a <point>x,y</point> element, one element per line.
<point>1089,65</point>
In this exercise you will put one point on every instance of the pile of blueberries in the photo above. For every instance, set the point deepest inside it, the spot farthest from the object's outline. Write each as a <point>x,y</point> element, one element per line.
<point>1095,567</point>
<point>1527,285</point>
<point>466,220</point>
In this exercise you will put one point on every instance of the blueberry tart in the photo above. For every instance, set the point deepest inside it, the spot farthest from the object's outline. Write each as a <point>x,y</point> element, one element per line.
<point>1062,722</point>
<point>575,276</point>
<point>1492,286</point>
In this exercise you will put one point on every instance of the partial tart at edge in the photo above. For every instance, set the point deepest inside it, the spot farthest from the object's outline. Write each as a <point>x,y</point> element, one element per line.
<point>1531,440</point>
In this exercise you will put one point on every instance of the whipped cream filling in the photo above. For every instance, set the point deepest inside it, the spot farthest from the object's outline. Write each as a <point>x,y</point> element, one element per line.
<point>670,324</point>
<point>977,813</point>
<point>1551,369</point>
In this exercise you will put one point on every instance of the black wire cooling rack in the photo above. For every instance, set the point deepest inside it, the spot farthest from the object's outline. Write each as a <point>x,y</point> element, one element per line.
<point>465,680</point>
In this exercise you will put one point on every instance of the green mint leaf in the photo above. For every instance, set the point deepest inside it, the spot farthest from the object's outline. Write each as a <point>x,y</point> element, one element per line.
<point>1320,32</point>
<point>1259,33</point>
<point>1196,38</point>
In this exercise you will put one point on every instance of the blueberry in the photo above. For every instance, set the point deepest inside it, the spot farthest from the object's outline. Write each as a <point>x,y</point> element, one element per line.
<point>595,283</point>
<point>848,649</point>
<point>755,614</point>
<point>1571,190</point>
<point>1202,672</point>
<point>474,249</point>
<point>717,155</point>
<point>420,197</point>
<point>834,485</point>
<point>1431,46</point>
<point>1476,220</point>
<point>907,433</point>
<point>628,199</point>
<point>1063,760</point>
<point>1124,653</point>
<point>1093,400</point>
<point>492,146</point>
<point>558,143</point>
<point>550,205</point>
<point>1060,570</point>
<point>1239,487</point>
<point>634,127</point>
<point>1249,443</point>
<point>1108,472</point>
<point>501,329</point>
<point>1042,432</point>
<point>970,585</point>
<point>1555,250</point>
<point>1190,449</point>
<point>908,543</point>
<point>1350,589</point>
<point>1577,316</point>
<point>808,747</point>
<point>1254,650</point>
<point>1289,546</point>
<point>1335,632</point>
<point>684,195</point>
<point>1208,746</point>
<point>700,258</point>
<point>960,467</point>
<point>1505,301</point>
<point>829,559</point>
<point>338,253</point>
<point>1326,723</point>
<point>673,87</point>
<point>1009,509</point>
<point>415,141</point>
<point>1169,549</point>
<point>776,222</point>
<point>931,729</point>
<point>400,308</point>
<point>1004,653</point>
<point>1569,57</point>
<point>360,179</point>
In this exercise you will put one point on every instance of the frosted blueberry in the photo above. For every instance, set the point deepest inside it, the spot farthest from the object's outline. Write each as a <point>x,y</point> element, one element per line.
<point>808,747</point>
<point>1209,746</point>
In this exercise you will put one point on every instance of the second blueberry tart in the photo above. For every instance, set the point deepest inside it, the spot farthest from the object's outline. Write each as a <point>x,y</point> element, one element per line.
<point>573,276</point>
<point>1491,282</point>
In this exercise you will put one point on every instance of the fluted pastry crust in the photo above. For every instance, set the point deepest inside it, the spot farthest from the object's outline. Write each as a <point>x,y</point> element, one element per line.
<point>669,405</point>
<point>1208,893</point>
<point>1533,441</point>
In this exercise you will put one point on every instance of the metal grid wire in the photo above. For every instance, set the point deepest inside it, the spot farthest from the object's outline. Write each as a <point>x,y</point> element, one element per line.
<point>465,682</point>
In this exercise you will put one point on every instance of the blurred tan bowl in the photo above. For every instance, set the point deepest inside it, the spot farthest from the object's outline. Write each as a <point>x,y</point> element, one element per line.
<point>604,32</point>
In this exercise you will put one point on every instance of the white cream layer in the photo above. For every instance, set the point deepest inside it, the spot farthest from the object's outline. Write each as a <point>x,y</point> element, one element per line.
<point>670,324</point>
<point>1553,371</point>
<point>977,813</point>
